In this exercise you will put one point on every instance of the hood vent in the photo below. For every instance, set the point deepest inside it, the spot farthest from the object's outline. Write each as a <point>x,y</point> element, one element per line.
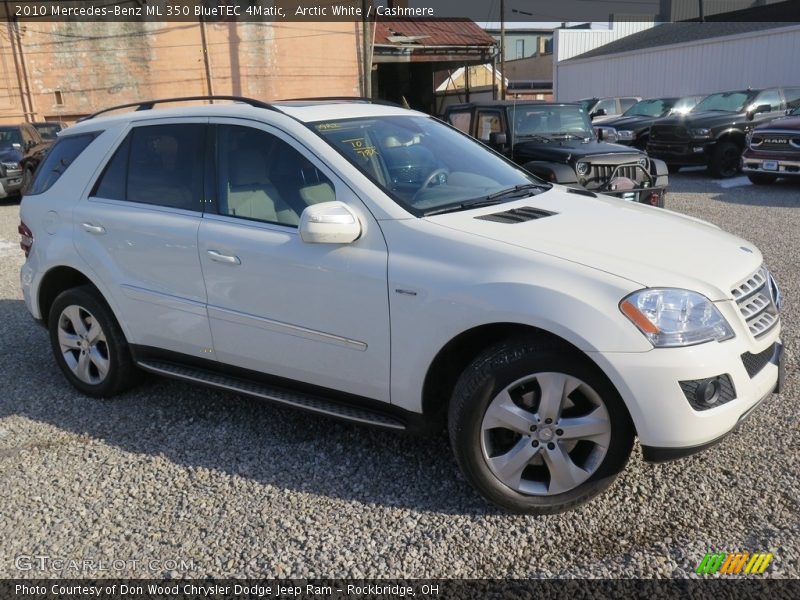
<point>517,215</point>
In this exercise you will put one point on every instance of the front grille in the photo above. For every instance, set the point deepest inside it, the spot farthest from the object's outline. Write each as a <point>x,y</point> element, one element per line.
<point>756,304</point>
<point>669,133</point>
<point>753,363</point>
<point>603,173</point>
<point>778,142</point>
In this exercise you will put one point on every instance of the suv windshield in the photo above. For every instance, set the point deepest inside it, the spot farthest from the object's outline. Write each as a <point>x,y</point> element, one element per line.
<point>425,165</point>
<point>10,136</point>
<point>650,108</point>
<point>725,101</point>
<point>550,120</point>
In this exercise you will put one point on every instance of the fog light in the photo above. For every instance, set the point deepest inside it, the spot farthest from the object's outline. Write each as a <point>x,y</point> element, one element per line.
<point>708,392</point>
<point>705,394</point>
<point>697,149</point>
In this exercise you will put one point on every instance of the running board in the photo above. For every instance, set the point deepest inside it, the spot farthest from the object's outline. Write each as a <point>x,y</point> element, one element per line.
<point>284,396</point>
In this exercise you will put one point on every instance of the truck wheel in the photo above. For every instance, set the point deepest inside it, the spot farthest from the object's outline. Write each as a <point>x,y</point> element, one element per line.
<point>89,345</point>
<point>536,428</point>
<point>761,178</point>
<point>673,168</point>
<point>725,160</point>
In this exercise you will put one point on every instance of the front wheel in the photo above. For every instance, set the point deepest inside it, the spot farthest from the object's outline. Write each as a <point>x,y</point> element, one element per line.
<point>537,429</point>
<point>725,160</point>
<point>89,345</point>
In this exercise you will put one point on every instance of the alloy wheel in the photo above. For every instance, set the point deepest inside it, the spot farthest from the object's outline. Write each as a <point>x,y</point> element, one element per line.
<point>83,344</point>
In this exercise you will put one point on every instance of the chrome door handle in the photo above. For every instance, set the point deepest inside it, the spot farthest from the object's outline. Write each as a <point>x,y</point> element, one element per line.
<point>98,229</point>
<point>224,258</point>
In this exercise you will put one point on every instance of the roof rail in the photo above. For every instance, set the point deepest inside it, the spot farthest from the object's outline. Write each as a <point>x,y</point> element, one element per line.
<point>344,99</point>
<point>149,104</point>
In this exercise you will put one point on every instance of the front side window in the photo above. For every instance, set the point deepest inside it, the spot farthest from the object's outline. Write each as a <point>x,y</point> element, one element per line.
<point>421,163</point>
<point>157,164</point>
<point>771,97</point>
<point>263,178</point>
<point>488,123</point>
<point>609,105</point>
<point>725,102</point>
<point>626,103</point>
<point>58,159</point>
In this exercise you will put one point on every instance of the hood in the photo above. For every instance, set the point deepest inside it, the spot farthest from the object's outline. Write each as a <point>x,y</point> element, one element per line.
<point>565,151</point>
<point>707,119</point>
<point>652,247</point>
<point>782,123</point>
<point>8,154</point>
<point>633,122</point>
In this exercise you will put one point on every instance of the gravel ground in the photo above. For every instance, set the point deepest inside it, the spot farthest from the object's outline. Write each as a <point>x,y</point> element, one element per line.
<point>190,482</point>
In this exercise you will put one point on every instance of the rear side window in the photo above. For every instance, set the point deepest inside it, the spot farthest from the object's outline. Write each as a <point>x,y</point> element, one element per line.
<point>626,103</point>
<point>792,97</point>
<point>160,165</point>
<point>58,160</point>
<point>460,120</point>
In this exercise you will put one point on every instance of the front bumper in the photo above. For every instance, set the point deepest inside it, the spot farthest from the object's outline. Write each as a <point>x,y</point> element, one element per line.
<point>693,152</point>
<point>11,184</point>
<point>780,167</point>
<point>666,424</point>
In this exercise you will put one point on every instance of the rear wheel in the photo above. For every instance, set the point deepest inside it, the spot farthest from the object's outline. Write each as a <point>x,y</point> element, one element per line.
<point>537,429</point>
<point>761,178</point>
<point>725,160</point>
<point>89,345</point>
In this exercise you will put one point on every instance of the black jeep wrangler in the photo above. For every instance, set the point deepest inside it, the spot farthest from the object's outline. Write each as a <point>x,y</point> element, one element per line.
<point>555,142</point>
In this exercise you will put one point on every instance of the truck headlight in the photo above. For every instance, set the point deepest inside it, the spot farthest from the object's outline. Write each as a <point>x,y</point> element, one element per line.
<point>12,166</point>
<point>701,133</point>
<point>582,168</point>
<point>626,134</point>
<point>671,317</point>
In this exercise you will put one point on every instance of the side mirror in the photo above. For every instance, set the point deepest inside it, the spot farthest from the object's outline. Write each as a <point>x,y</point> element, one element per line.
<point>600,112</point>
<point>498,138</point>
<point>329,223</point>
<point>761,108</point>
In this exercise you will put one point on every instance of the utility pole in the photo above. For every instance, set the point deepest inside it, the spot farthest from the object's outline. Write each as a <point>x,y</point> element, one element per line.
<point>503,49</point>
<point>206,58</point>
<point>702,11</point>
<point>365,51</point>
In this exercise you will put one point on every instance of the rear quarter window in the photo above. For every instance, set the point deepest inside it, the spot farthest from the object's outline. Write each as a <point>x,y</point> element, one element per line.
<point>58,159</point>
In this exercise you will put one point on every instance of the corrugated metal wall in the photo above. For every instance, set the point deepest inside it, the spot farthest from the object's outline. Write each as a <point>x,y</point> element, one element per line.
<point>759,59</point>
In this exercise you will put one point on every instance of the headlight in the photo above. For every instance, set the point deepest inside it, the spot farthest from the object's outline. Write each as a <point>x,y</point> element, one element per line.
<point>582,168</point>
<point>701,133</point>
<point>671,317</point>
<point>626,134</point>
<point>12,166</point>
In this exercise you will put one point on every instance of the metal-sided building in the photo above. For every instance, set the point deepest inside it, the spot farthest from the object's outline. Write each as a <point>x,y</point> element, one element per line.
<point>676,59</point>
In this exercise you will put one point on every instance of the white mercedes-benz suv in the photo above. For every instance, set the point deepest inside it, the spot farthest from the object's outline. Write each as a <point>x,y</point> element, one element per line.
<point>373,264</point>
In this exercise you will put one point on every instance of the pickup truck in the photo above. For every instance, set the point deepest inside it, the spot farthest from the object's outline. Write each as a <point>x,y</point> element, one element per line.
<point>713,134</point>
<point>555,142</point>
<point>773,150</point>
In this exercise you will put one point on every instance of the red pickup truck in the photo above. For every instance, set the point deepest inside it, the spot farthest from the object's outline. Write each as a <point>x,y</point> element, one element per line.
<point>773,150</point>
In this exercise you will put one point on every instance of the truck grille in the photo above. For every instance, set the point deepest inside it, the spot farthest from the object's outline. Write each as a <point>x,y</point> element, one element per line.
<point>603,172</point>
<point>669,133</point>
<point>780,142</point>
<point>756,304</point>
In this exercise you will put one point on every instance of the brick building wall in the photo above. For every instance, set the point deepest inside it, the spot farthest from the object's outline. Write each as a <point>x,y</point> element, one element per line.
<point>73,69</point>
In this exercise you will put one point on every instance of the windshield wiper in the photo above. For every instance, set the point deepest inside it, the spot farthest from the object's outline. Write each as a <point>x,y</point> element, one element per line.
<point>517,191</point>
<point>532,136</point>
<point>569,136</point>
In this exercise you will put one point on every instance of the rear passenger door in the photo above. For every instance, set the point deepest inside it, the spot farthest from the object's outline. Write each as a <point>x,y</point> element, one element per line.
<point>138,230</point>
<point>316,313</point>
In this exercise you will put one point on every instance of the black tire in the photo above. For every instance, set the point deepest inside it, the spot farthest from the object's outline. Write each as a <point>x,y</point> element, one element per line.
<point>493,371</point>
<point>762,178</point>
<point>27,178</point>
<point>672,168</point>
<point>725,160</point>
<point>121,372</point>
